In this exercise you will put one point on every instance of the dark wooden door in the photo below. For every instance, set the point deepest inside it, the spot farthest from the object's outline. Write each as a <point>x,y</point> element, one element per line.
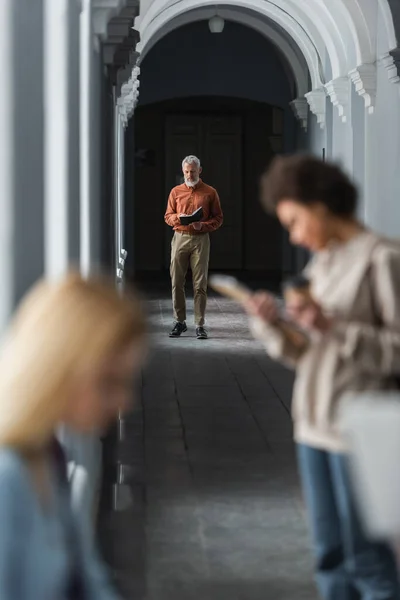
<point>217,141</point>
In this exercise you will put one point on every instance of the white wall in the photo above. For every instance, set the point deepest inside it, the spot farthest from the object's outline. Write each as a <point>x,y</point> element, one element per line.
<point>21,151</point>
<point>383,211</point>
<point>316,136</point>
<point>358,116</point>
<point>368,145</point>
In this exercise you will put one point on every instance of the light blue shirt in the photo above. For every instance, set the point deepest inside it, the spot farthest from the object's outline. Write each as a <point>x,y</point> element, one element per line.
<point>34,561</point>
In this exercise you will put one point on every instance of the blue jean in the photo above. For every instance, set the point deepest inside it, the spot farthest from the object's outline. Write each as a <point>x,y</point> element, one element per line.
<point>348,565</point>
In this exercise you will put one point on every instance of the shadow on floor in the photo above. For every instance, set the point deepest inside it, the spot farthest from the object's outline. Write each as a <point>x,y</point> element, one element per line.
<point>268,589</point>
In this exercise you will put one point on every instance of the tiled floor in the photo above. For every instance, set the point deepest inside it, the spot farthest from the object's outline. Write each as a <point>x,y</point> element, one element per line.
<point>217,513</point>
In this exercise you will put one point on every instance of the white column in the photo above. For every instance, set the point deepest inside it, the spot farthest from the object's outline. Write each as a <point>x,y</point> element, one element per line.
<point>62,157</point>
<point>121,182</point>
<point>117,169</point>
<point>90,106</point>
<point>372,206</point>
<point>7,158</point>
<point>364,78</point>
<point>62,189</point>
<point>124,109</point>
<point>83,451</point>
<point>86,93</point>
<point>21,150</point>
<point>120,120</point>
<point>342,130</point>
<point>96,154</point>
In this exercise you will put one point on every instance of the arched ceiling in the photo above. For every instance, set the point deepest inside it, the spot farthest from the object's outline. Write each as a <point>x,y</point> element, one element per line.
<point>150,25</point>
<point>333,36</point>
<point>293,60</point>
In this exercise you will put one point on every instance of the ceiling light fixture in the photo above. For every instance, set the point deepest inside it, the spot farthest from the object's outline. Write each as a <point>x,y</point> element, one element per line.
<point>216,24</point>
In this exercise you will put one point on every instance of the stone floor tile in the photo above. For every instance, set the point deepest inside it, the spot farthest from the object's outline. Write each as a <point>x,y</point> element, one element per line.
<point>219,515</point>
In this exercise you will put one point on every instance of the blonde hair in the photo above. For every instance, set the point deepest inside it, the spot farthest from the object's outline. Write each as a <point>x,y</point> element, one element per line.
<point>59,329</point>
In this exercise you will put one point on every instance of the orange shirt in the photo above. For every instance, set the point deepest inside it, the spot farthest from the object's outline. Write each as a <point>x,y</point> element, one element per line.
<point>185,200</point>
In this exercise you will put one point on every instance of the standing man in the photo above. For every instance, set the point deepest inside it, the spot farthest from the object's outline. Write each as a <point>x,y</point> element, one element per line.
<point>191,243</point>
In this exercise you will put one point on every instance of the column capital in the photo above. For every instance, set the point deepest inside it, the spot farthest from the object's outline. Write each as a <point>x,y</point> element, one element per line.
<point>121,52</point>
<point>317,102</point>
<point>103,12</point>
<point>128,97</point>
<point>118,29</point>
<point>364,79</point>
<point>109,4</point>
<point>339,92</point>
<point>126,52</point>
<point>391,62</point>
<point>127,71</point>
<point>132,8</point>
<point>300,109</point>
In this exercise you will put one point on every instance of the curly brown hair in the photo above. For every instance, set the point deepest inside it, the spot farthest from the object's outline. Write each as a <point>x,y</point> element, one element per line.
<point>308,180</point>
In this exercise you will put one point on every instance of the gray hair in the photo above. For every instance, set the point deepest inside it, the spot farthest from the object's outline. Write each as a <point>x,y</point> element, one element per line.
<point>191,160</point>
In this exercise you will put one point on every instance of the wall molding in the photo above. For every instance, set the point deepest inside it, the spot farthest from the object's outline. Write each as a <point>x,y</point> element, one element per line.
<point>129,95</point>
<point>338,91</point>
<point>364,80</point>
<point>118,29</point>
<point>103,11</point>
<point>113,19</point>
<point>317,102</point>
<point>300,109</point>
<point>391,62</point>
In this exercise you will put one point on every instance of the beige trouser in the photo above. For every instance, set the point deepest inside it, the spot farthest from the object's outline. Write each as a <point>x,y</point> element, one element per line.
<point>193,250</point>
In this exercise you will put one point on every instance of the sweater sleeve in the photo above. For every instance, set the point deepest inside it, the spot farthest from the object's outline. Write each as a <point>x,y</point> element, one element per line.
<point>171,217</point>
<point>276,343</point>
<point>376,347</point>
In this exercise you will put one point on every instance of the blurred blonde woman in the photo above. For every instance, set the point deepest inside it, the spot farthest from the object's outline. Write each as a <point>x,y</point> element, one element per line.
<point>70,356</point>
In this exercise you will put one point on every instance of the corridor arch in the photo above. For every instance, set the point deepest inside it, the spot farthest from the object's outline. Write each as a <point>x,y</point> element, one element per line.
<point>151,25</point>
<point>350,50</point>
<point>294,59</point>
<point>340,36</point>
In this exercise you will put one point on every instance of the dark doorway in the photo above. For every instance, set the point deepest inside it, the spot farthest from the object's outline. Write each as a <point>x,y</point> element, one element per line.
<point>235,140</point>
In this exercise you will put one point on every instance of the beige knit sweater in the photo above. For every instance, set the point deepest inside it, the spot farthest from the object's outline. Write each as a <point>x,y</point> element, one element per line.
<point>358,283</point>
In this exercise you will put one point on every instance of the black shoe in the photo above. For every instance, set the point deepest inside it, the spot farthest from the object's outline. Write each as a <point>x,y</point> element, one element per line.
<point>178,329</point>
<point>201,333</point>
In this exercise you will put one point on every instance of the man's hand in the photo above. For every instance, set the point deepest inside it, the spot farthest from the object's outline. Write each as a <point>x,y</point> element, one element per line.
<point>263,306</point>
<point>197,226</point>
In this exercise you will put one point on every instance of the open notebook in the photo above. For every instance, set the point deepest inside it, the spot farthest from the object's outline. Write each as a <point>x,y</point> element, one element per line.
<point>371,423</point>
<point>230,287</point>
<point>197,215</point>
